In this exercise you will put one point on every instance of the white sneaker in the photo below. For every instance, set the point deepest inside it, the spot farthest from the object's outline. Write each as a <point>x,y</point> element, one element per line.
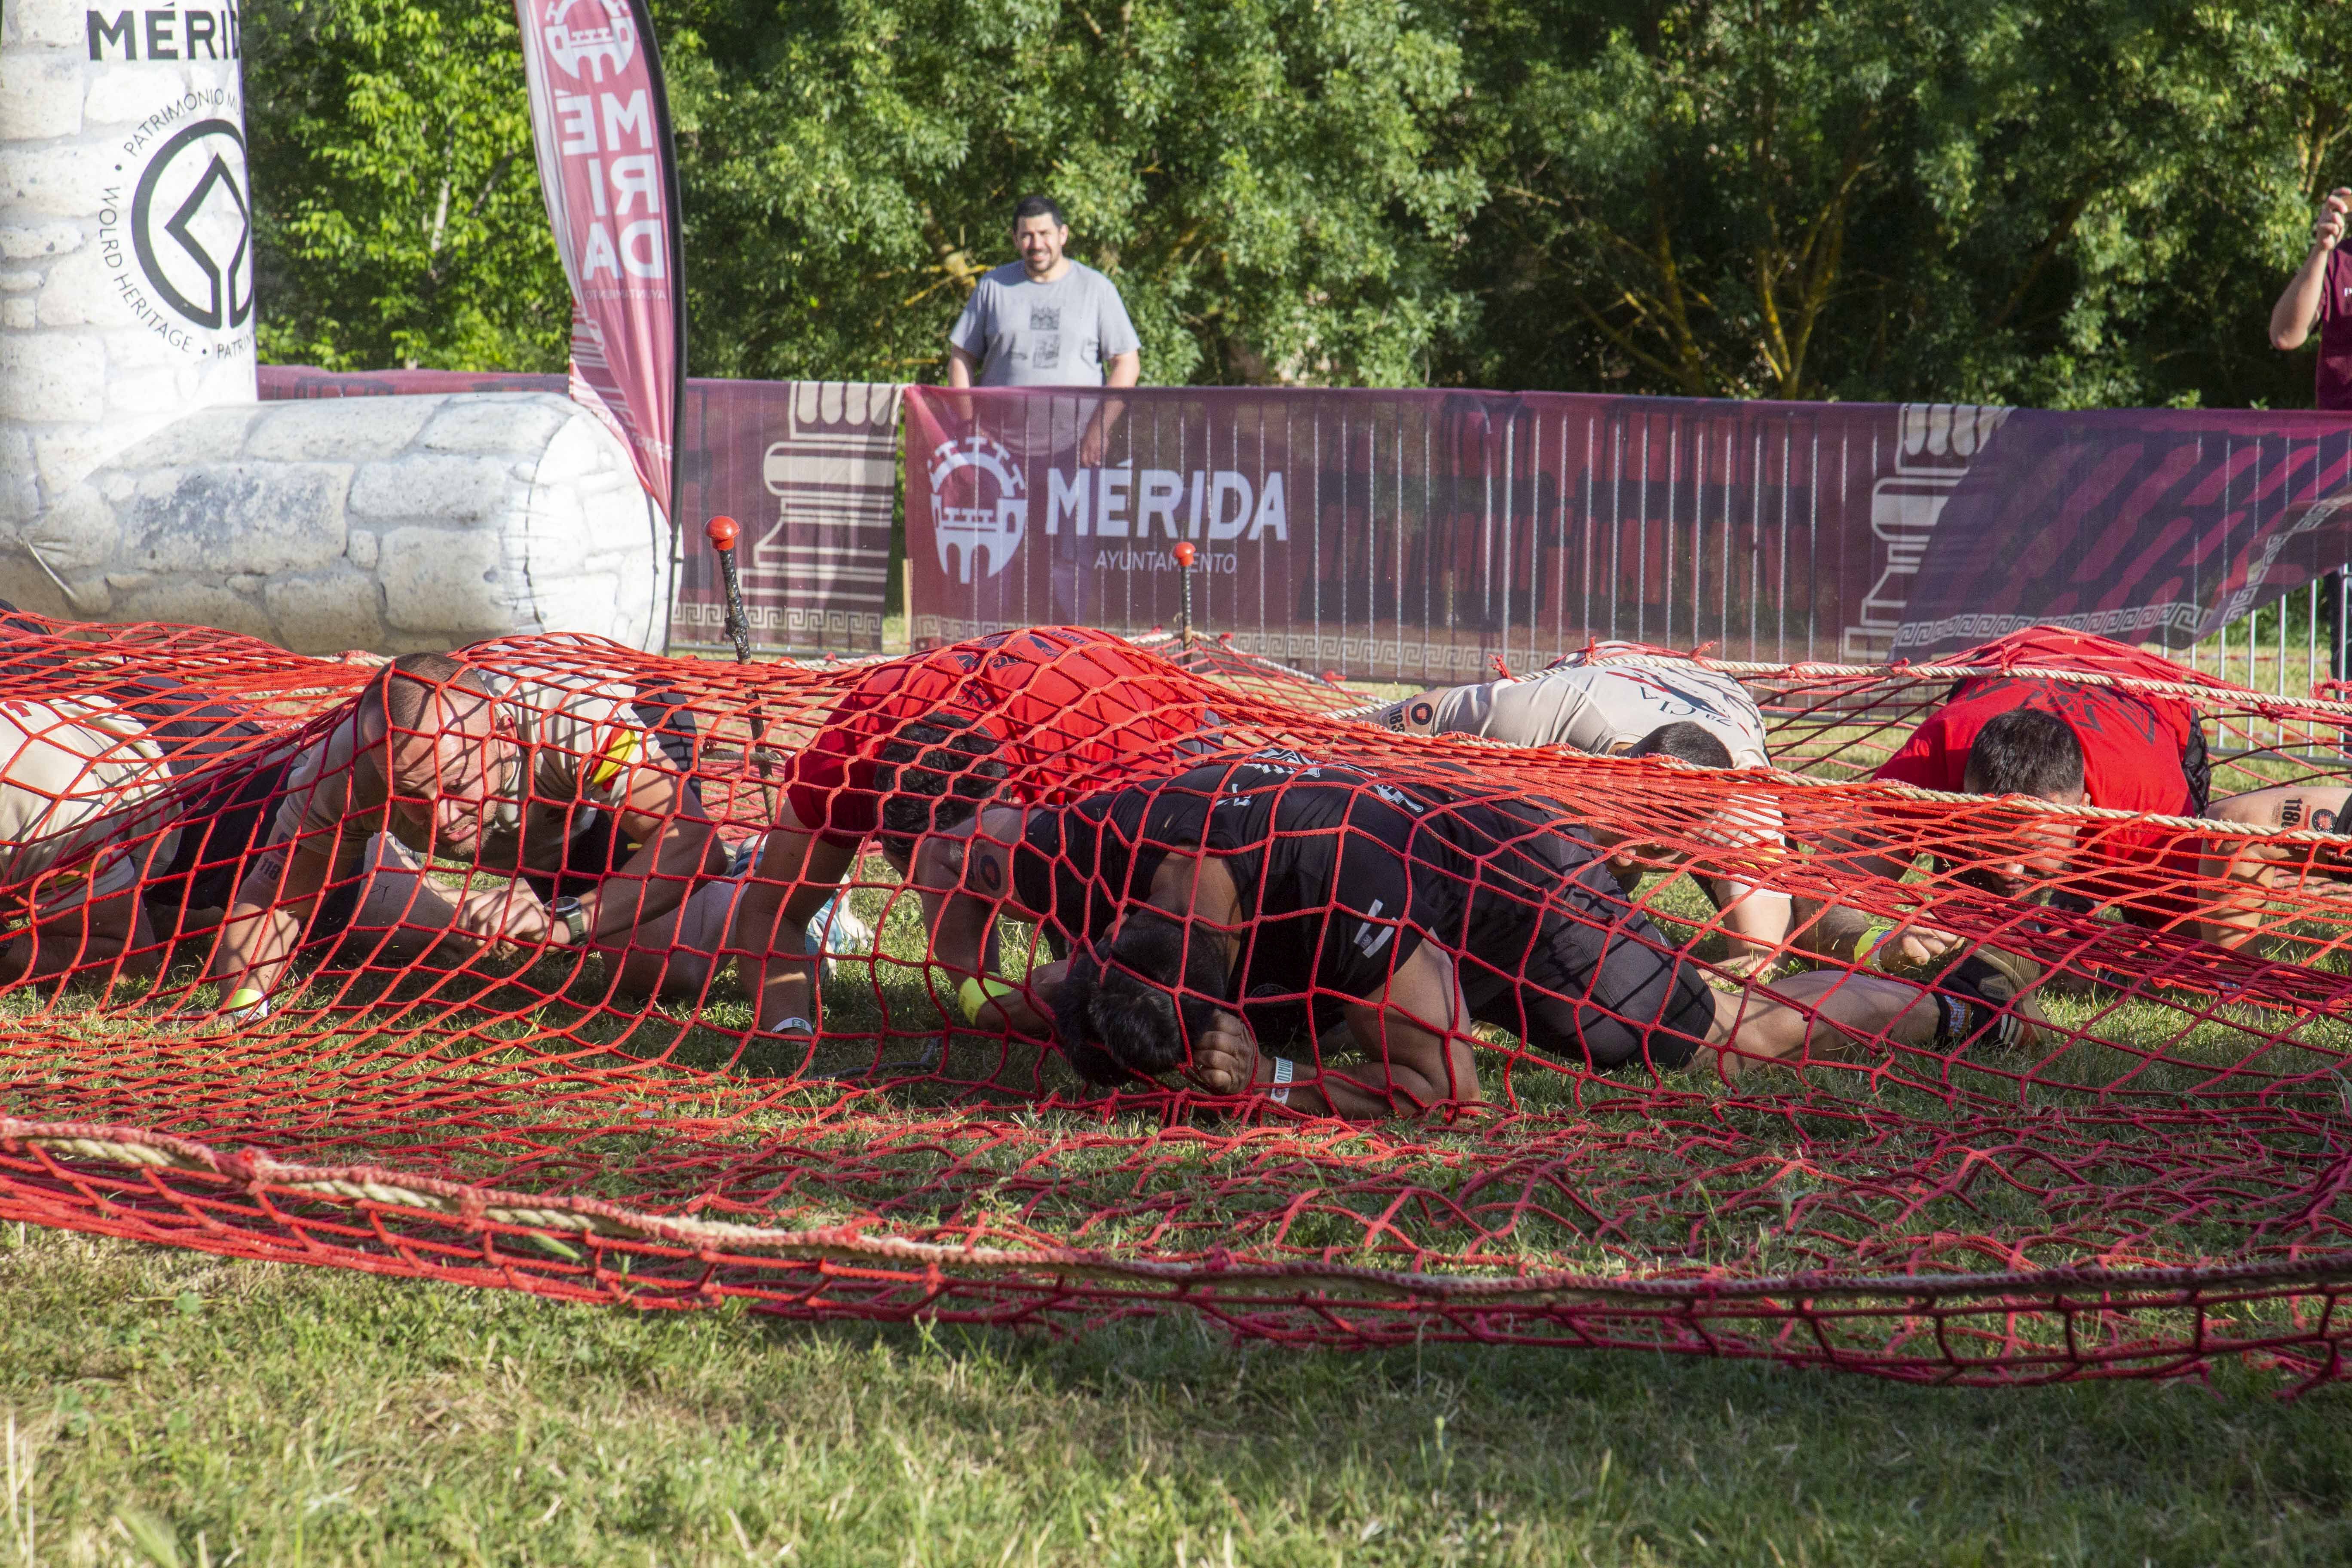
<point>837,932</point>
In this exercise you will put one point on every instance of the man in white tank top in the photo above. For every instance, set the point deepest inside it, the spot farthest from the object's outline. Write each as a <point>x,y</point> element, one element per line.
<point>1633,704</point>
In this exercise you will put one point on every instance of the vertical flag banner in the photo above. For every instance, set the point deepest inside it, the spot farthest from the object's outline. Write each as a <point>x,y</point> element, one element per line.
<point>600,120</point>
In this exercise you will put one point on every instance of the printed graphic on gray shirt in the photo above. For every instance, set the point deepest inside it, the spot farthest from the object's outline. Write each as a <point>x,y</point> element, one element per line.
<point>1027,333</point>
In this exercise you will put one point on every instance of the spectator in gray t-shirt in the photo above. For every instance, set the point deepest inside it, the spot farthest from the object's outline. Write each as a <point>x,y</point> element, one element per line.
<point>1047,320</point>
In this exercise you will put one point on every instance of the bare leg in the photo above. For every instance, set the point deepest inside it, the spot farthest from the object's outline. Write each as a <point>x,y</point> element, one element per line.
<point>1842,1017</point>
<point>797,871</point>
<point>673,956</point>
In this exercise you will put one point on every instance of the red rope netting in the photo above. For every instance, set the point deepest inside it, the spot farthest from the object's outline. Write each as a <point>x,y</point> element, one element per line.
<point>452,973</point>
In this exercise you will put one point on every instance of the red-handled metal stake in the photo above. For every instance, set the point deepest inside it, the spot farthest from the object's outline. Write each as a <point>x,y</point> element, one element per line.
<point>723,533</point>
<point>1184,555</point>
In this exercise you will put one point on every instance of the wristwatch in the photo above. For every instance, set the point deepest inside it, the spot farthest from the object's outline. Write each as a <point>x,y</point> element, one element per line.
<point>575,919</point>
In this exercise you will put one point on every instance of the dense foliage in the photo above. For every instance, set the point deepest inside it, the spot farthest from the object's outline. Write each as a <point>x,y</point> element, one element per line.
<point>2069,203</point>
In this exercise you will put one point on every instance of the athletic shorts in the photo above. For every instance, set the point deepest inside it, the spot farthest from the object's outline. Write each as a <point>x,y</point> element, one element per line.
<point>1588,977</point>
<point>1544,943</point>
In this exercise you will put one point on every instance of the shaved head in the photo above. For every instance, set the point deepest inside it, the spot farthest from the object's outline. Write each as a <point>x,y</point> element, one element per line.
<point>433,723</point>
<point>420,692</point>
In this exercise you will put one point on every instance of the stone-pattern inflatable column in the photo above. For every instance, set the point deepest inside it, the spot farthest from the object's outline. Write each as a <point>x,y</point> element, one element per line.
<point>126,234</point>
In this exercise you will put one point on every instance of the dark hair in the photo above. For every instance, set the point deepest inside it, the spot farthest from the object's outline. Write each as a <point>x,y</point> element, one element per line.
<point>2025,751</point>
<point>1039,206</point>
<point>932,774</point>
<point>1685,741</point>
<point>1136,1004</point>
<point>404,692</point>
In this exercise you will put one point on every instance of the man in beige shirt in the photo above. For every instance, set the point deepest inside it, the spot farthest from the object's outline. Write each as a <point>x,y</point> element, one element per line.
<point>1607,707</point>
<point>544,776</point>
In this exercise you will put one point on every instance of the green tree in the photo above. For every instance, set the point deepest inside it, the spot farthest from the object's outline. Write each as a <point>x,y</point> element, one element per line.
<point>2073,203</point>
<point>2078,203</point>
<point>1261,178</point>
<point>398,217</point>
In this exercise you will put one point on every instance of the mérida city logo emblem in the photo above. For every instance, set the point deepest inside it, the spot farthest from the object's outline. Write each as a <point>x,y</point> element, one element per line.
<point>981,502</point>
<point>595,34</point>
<point>192,226</point>
<point>980,506</point>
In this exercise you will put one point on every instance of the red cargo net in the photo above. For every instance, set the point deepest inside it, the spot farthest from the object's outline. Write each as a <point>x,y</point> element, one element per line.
<point>2136,1167</point>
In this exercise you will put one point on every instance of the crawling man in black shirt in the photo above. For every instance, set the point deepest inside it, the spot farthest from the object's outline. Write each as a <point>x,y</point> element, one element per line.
<point>1210,917</point>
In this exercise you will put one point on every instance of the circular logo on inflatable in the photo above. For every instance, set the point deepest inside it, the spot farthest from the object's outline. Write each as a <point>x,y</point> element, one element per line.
<point>192,225</point>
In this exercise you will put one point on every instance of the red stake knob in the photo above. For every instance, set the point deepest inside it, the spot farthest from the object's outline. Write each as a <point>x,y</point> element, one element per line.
<point>721,532</point>
<point>1184,554</point>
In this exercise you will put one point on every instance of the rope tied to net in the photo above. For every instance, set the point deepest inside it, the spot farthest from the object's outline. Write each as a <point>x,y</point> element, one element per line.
<point>1216,1268</point>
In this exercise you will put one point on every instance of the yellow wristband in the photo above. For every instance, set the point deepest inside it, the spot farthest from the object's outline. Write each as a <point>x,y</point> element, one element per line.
<point>978,991</point>
<point>243,996</point>
<point>1869,944</point>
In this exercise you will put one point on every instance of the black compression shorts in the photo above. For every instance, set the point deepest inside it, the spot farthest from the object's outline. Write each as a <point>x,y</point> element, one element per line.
<point>1592,977</point>
<point>1543,941</point>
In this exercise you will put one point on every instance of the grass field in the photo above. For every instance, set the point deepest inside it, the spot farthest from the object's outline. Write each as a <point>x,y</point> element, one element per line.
<point>169,1407</point>
<point>174,1408</point>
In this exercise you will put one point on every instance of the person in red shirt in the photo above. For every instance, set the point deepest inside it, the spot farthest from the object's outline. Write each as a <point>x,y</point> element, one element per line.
<point>2320,295</point>
<point>1036,716</point>
<point>2072,743</point>
<point>2126,751</point>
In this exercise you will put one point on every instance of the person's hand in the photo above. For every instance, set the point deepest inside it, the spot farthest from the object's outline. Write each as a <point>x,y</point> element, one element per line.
<point>1918,945</point>
<point>1090,445</point>
<point>507,921</point>
<point>1224,1059</point>
<point>2329,230</point>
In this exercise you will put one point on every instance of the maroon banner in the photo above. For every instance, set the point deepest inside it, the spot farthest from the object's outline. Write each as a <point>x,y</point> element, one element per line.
<point>1419,535</point>
<point>2145,525</point>
<point>809,468</point>
<point>600,121</point>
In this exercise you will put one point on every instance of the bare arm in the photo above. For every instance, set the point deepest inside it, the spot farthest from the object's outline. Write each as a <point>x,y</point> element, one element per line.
<point>1123,369</point>
<point>1421,1059</point>
<point>965,881</point>
<point>664,815</point>
<point>1869,854</point>
<point>265,919</point>
<point>963,371</point>
<point>1755,927</point>
<point>2297,310</point>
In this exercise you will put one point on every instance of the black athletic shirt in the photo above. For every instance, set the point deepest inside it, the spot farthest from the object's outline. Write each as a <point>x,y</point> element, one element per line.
<point>1305,842</point>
